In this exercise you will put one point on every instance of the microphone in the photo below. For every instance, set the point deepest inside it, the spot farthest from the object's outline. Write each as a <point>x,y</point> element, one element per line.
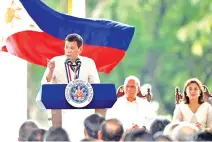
<point>73,66</point>
<point>68,61</point>
<point>78,62</point>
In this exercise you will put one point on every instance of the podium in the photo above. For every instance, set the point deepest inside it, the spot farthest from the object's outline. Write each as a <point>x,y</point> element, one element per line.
<point>52,96</point>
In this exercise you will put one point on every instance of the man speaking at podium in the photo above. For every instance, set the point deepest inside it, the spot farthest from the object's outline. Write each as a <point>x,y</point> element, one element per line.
<point>64,69</point>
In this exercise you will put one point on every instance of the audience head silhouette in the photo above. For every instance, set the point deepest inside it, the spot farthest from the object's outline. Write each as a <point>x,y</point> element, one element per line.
<point>92,124</point>
<point>111,130</point>
<point>26,129</point>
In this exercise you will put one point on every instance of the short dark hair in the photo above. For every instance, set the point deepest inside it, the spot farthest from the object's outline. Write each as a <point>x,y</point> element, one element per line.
<point>92,124</point>
<point>203,136</point>
<point>158,124</point>
<point>138,135</point>
<point>57,134</point>
<point>199,84</point>
<point>75,37</point>
<point>26,129</point>
<point>37,135</point>
<point>109,134</point>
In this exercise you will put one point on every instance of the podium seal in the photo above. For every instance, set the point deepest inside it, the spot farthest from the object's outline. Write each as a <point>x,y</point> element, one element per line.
<point>79,93</point>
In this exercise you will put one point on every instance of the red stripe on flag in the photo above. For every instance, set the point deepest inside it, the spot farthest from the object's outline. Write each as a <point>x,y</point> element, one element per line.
<point>36,47</point>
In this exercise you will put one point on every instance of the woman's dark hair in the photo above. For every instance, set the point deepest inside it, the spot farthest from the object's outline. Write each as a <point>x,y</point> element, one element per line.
<point>199,84</point>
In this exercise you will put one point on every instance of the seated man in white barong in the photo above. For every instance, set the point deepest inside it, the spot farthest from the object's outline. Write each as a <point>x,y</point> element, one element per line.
<point>131,110</point>
<point>57,72</point>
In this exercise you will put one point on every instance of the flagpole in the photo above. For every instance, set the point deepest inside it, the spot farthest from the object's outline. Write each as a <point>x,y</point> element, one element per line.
<point>69,7</point>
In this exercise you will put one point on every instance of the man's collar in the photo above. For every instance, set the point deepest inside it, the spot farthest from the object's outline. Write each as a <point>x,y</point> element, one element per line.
<point>80,57</point>
<point>135,101</point>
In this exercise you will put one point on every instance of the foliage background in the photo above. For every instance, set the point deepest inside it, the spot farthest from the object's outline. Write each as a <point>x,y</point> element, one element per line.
<point>172,43</point>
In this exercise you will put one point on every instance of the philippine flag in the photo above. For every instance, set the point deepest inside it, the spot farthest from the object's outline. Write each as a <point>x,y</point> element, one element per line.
<point>32,31</point>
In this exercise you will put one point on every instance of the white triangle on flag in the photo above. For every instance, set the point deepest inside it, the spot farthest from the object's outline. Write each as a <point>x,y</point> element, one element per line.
<point>13,19</point>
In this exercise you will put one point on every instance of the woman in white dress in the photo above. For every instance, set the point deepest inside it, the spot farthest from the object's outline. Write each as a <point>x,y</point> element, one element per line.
<point>193,109</point>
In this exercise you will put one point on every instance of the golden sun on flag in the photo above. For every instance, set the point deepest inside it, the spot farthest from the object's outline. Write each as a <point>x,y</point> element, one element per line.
<point>31,25</point>
<point>11,13</point>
